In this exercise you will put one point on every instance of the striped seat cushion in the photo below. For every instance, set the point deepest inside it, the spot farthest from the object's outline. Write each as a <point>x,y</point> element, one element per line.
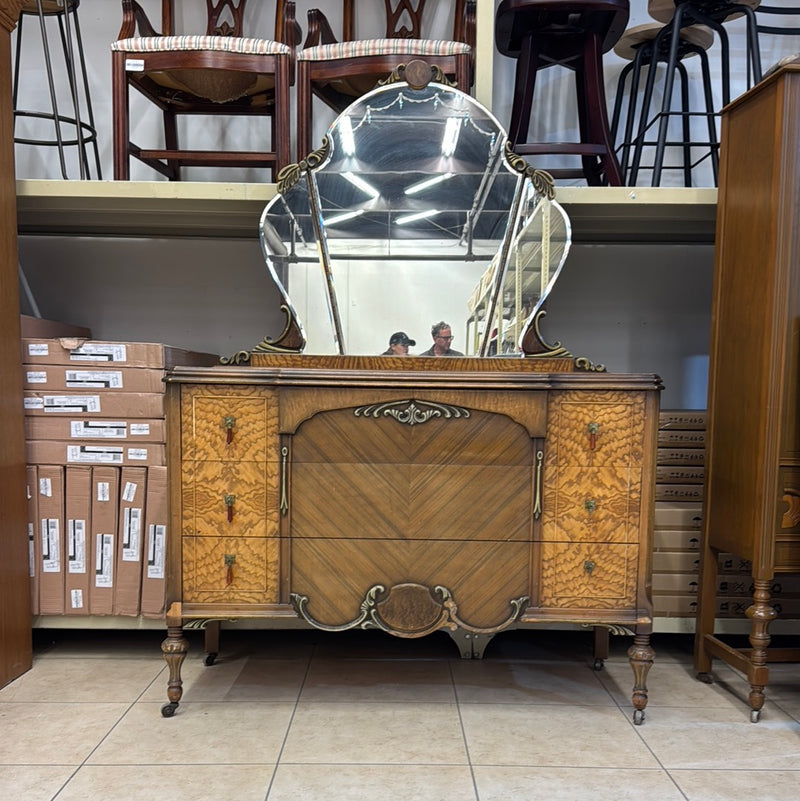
<point>228,44</point>
<point>374,47</point>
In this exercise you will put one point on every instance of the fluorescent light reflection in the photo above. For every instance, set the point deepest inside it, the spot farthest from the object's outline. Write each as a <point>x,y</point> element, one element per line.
<point>452,130</point>
<point>420,215</point>
<point>361,184</point>
<point>348,215</point>
<point>428,183</point>
<point>346,133</point>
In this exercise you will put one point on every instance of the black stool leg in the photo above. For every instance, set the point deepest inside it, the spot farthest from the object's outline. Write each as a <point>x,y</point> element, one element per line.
<point>524,82</point>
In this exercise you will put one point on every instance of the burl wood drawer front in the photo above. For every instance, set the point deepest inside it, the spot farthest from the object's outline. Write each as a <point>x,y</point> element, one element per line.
<point>598,504</point>
<point>227,425</point>
<point>607,430</point>
<point>586,575</point>
<point>226,570</point>
<point>234,500</point>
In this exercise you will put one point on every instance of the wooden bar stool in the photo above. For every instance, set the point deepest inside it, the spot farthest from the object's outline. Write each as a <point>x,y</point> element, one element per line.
<point>573,34</point>
<point>645,48</point>
<point>74,127</point>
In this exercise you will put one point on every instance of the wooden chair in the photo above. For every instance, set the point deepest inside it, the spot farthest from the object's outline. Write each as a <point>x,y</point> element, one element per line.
<point>220,72</point>
<point>340,71</point>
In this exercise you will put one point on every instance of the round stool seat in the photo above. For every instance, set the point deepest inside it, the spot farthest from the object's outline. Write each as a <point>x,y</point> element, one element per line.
<point>634,38</point>
<point>664,10</point>
<point>49,7</point>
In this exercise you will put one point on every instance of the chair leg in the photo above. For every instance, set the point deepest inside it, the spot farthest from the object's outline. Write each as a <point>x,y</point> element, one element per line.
<point>304,109</point>
<point>524,83</point>
<point>121,118</point>
<point>281,123</point>
<point>171,143</point>
<point>89,110</point>
<point>686,123</point>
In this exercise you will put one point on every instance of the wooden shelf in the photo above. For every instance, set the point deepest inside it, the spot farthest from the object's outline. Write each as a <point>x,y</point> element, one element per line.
<point>606,215</point>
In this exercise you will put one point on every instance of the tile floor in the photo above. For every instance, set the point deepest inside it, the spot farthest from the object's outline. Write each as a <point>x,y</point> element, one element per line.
<point>306,716</point>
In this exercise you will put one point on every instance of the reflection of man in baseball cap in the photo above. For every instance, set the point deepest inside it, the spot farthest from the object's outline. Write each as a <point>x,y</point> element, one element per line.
<point>398,344</point>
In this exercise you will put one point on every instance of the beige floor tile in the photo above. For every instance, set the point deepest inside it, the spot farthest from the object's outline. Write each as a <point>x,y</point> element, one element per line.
<point>725,785</point>
<point>98,680</point>
<point>482,681</point>
<point>711,738</point>
<point>553,735</point>
<point>370,782</point>
<point>389,681</point>
<point>235,679</point>
<point>33,782</point>
<point>52,733</point>
<point>173,782</point>
<point>367,733</point>
<point>212,733</point>
<point>573,784</point>
<point>370,644</point>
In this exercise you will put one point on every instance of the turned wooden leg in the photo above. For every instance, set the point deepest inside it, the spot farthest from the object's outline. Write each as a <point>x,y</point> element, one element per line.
<point>641,656</point>
<point>761,614</point>
<point>174,648</point>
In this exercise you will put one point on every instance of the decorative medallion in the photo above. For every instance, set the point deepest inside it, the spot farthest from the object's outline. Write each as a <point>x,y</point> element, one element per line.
<point>411,412</point>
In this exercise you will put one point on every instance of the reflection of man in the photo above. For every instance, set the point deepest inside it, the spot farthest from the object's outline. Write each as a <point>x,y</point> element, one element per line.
<point>398,344</point>
<point>442,337</point>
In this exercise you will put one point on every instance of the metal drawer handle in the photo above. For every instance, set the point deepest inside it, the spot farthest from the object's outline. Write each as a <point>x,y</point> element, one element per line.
<point>229,422</point>
<point>589,566</point>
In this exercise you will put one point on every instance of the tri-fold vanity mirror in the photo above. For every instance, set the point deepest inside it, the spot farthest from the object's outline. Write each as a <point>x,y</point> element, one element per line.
<point>413,211</point>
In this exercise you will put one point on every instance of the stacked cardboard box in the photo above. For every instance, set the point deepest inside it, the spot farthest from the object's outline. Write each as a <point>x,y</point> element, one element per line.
<point>680,475</point>
<point>97,484</point>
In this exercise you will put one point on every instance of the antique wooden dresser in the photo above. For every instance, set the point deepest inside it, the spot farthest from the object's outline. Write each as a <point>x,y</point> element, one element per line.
<point>412,495</point>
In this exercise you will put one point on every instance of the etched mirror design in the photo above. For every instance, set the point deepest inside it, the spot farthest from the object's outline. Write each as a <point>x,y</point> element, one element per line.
<point>413,211</point>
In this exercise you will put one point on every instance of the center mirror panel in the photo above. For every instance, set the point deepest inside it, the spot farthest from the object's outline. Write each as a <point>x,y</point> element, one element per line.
<point>413,211</point>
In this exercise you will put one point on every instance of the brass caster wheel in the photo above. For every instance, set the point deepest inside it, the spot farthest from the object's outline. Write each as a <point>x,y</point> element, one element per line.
<point>755,714</point>
<point>168,710</point>
<point>638,717</point>
<point>210,659</point>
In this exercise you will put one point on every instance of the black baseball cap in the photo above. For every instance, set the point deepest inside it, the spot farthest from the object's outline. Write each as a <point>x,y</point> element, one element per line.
<point>401,338</point>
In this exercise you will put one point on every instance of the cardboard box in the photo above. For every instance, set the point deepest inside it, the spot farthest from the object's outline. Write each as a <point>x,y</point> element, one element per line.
<point>680,474</point>
<point>130,535</point>
<point>75,351</point>
<point>674,437</point>
<point>34,541</point>
<point>679,456</point>
<point>78,505</point>
<point>154,566</point>
<point>90,429</point>
<point>56,378</point>
<point>674,605</point>
<point>679,492</point>
<point>679,514</point>
<point>37,328</point>
<point>50,482</point>
<point>679,583</point>
<point>731,563</point>
<point>682,418</point>
<point>676,562</point>
<point>56,452</point>
<point>108,404</point>
<point>105,509</point>
<point>680,539</point>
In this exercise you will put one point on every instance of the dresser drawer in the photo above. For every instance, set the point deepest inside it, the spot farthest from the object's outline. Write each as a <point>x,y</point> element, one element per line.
<point>220,498</point>
<point>585,575</point>
<point>592,504</point>
<point>227,570</point>
<point>227,426</point>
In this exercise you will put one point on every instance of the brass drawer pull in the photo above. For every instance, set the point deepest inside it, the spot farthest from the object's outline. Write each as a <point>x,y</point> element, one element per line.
<point>230,560</point>
<point>284,487</point>
<point>537,501</point>
<point>591,505</point>
<point>229,422</point>
<point>589,566</point>
<point>593,428</point>
<point>229,501</point>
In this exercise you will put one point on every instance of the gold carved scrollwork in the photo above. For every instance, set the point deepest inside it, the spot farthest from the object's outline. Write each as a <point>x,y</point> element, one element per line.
<point>291,335</point>
<point>543,182</point>
<point>418,74</point>
<point>409,610</point>
<point>411,412</point>
<point>791,517</point>
<point>292,173</point>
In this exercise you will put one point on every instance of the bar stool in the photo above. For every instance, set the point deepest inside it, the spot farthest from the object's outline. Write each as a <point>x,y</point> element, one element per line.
<point>85,131</point>
<point>678,14</point>
<point>638,46</point>
<point>573,34</point>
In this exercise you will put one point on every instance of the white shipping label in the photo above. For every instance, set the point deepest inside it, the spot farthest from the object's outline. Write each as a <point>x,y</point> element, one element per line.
<point>104,561</point>
<point>101,379</point>
<point>103,491</point>
<point>131,534</point>
<point>140,429</point>
<point>95,352</point>
<point>46,487</point>
<point>156,551</point>
<point>51,545</point>
<point>129,492</point>
<point>134,65</point>
<point>36,377</point>
<point>76,546</point>
<point>95,454</point>
<point>137,454</point>
<point>31,550</point>
<point>38,349</point>
<point>98,429</point>
<point>65,404</point>
<point>76,599</point>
